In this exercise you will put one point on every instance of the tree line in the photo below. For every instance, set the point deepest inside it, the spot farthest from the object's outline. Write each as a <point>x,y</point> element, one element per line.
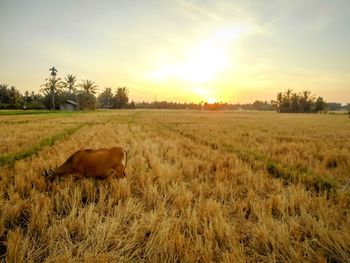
<point>56,91</point>
<point>11,98</point>
<point>257,105</point>
<point>303,102</point>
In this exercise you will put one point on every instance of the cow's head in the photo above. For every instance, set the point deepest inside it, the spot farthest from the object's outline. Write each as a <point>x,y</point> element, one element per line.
<point>47,172</point>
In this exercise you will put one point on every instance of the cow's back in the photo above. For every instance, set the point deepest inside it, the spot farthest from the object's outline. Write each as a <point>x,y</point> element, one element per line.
<point>95,163</point>
<point>98,162</point>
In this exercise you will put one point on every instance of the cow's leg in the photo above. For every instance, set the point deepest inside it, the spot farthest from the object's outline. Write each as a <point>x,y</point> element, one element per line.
<point>99,175</point>
<point>119,171</point>
<point>109,173</point>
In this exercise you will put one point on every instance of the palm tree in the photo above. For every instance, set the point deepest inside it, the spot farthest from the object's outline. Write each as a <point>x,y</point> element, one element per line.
<point>88,86</point>
<point>121,97</point>
<point>69,83</point>
<point>306,101</point>
<point>279,101</point>
<point>87,99</point>
<point>52,86</point>
<point>288,93</point>
<point>294,102</point>
<point>105,98</point>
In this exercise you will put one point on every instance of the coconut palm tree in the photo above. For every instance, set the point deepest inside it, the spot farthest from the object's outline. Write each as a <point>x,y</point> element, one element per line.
<point>52,86</point>
<point>121,97</point>
<point>87,99</point>
<point>106,97</point>
<point>69,83</point>
<point>88,86</point>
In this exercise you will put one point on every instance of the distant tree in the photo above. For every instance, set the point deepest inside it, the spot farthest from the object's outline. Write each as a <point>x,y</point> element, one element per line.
<point>86,96</point>
<point>274,105</point>
<point>105,99</point>
<point>34,101</point>
<point>121,98</point>
<point>4,94</point>
<point>53,71</point>
<point>69,89</point>
<point>286,102</point>
<point>27,99</point>
<point>15,96</point>
<point>27,96</point>
<point>89,86</point>
<point>52,88</point>
<point>279,101</point>
<point>306,101</point>
<point>320,105</point>
<point>295,102</point>
<point>10,97</point>
<point>132,105</point>
<point>69,83</point>
<point>86,101</point>
<point>290,101</point>
<point>333,106</point>
<point>258,105</point>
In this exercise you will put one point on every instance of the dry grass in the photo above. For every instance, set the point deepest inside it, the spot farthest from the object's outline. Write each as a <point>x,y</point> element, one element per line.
<point>198,189</point>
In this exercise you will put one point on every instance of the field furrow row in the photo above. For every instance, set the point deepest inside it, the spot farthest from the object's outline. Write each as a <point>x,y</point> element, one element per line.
<point>287,173</point>
<point>11,158</point>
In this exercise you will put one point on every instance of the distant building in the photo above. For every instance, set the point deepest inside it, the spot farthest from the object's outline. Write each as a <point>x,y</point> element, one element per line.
<point>69,105</point>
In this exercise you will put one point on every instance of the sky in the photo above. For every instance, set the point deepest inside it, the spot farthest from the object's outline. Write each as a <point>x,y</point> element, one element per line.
<point>185,51</point>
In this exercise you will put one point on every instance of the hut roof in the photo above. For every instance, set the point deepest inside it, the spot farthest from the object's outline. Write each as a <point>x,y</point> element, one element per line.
<point>72,102</point>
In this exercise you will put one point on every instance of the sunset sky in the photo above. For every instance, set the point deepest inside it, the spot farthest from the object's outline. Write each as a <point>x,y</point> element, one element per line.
<point>234,51</point>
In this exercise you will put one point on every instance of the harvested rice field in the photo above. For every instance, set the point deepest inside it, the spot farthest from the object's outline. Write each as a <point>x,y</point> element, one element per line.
<point>200,187</point>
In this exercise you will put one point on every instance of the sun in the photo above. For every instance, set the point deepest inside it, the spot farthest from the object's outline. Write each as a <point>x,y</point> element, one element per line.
<point>205,61</point>
<point>201,65</point>
<point>211,101</point>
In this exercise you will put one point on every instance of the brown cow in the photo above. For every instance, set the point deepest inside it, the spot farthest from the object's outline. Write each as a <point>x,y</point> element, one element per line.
<point>100,163</point>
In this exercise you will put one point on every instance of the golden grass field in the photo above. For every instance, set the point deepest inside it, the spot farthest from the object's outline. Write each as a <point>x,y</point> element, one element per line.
<point>200,187</point>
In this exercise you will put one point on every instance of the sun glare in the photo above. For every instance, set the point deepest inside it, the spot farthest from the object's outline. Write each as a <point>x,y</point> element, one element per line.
<point>211,101</point>
<point>204,61</point>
